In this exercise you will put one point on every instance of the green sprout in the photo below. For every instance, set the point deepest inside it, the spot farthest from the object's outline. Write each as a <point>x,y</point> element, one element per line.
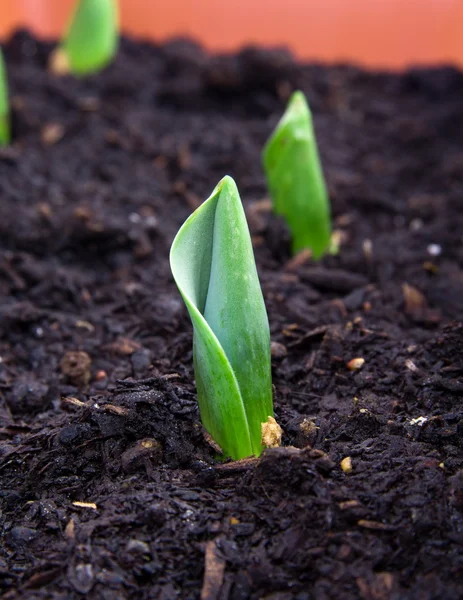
<point>5,133</point>
<point>295,178</point>
<point>92,38</point>
<point>212,262</point>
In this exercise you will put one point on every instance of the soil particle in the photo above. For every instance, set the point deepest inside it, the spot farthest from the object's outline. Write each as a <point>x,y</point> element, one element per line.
<point>76,367</point>
<point>147,452</point>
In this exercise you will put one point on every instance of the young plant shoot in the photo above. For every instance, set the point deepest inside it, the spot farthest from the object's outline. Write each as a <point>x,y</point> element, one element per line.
<point>212,262</point>
<point>91,40</point>
<point>295,178</point>
<point>5,134</point>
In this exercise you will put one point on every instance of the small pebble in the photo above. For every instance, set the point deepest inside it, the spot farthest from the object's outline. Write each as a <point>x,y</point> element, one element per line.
<point>278,350</point>
<point>411,366</point>
<point>355,364</point>
<point>134,218</point>
<point>416,224</point>
<point>419,421</point>
<point>367,248</point>
<point>434,249</point>
<point>51,133</point>
<point>151,222</point>
<point>346,464</point>
<point>100,375</point>
<point>138,547</point>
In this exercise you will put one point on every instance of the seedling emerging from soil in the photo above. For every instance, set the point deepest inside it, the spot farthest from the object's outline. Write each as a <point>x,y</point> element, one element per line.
<point>91,40</point>
<point>295,178</point>
<point>4,105</point>
<point>212,262</point>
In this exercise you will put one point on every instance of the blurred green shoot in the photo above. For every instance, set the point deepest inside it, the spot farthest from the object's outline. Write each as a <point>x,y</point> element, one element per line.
<point>295,179</point>
<point>212,262</point>
<point>5,130</point>
<point>91,40</point>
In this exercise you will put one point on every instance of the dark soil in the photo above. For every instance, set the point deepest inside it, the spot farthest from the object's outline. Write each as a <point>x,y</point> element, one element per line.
<point>109,487</point>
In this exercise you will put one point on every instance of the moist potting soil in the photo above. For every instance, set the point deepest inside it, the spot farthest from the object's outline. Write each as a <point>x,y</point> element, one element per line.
<point>109,486</point>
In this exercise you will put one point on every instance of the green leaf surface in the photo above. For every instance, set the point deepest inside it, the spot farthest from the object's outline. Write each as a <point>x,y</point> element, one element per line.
<point>92,38</point>
<point>295,178</point>
<point>5,132</point>
<point>213,265</point>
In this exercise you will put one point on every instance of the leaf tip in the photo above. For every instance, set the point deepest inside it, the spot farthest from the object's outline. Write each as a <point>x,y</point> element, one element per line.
<point>298,106</point>
<point>227,184</point>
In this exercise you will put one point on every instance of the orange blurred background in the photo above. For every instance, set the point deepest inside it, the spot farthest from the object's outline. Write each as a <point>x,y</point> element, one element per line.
<point>373,33</point>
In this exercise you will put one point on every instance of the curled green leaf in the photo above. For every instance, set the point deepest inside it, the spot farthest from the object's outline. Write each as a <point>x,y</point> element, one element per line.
<point>92,37</point>
<point>295,178</point>
<point>212,262</point>
<point>5,133</point>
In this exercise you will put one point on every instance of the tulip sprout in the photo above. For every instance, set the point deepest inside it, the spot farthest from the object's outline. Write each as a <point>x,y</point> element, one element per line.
<point>212,262</point>
<point>5,134</point>
<point>91,40</point>
<point>295,178</point>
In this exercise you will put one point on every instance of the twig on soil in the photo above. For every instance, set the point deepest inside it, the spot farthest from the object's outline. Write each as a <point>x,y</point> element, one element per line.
<point>214,568</point>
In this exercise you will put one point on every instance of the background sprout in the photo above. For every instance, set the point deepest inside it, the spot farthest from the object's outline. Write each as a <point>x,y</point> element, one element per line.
<point>5,134</point>
<point>295,178</point>
<point>91,40</point>
<point>212,262</point>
